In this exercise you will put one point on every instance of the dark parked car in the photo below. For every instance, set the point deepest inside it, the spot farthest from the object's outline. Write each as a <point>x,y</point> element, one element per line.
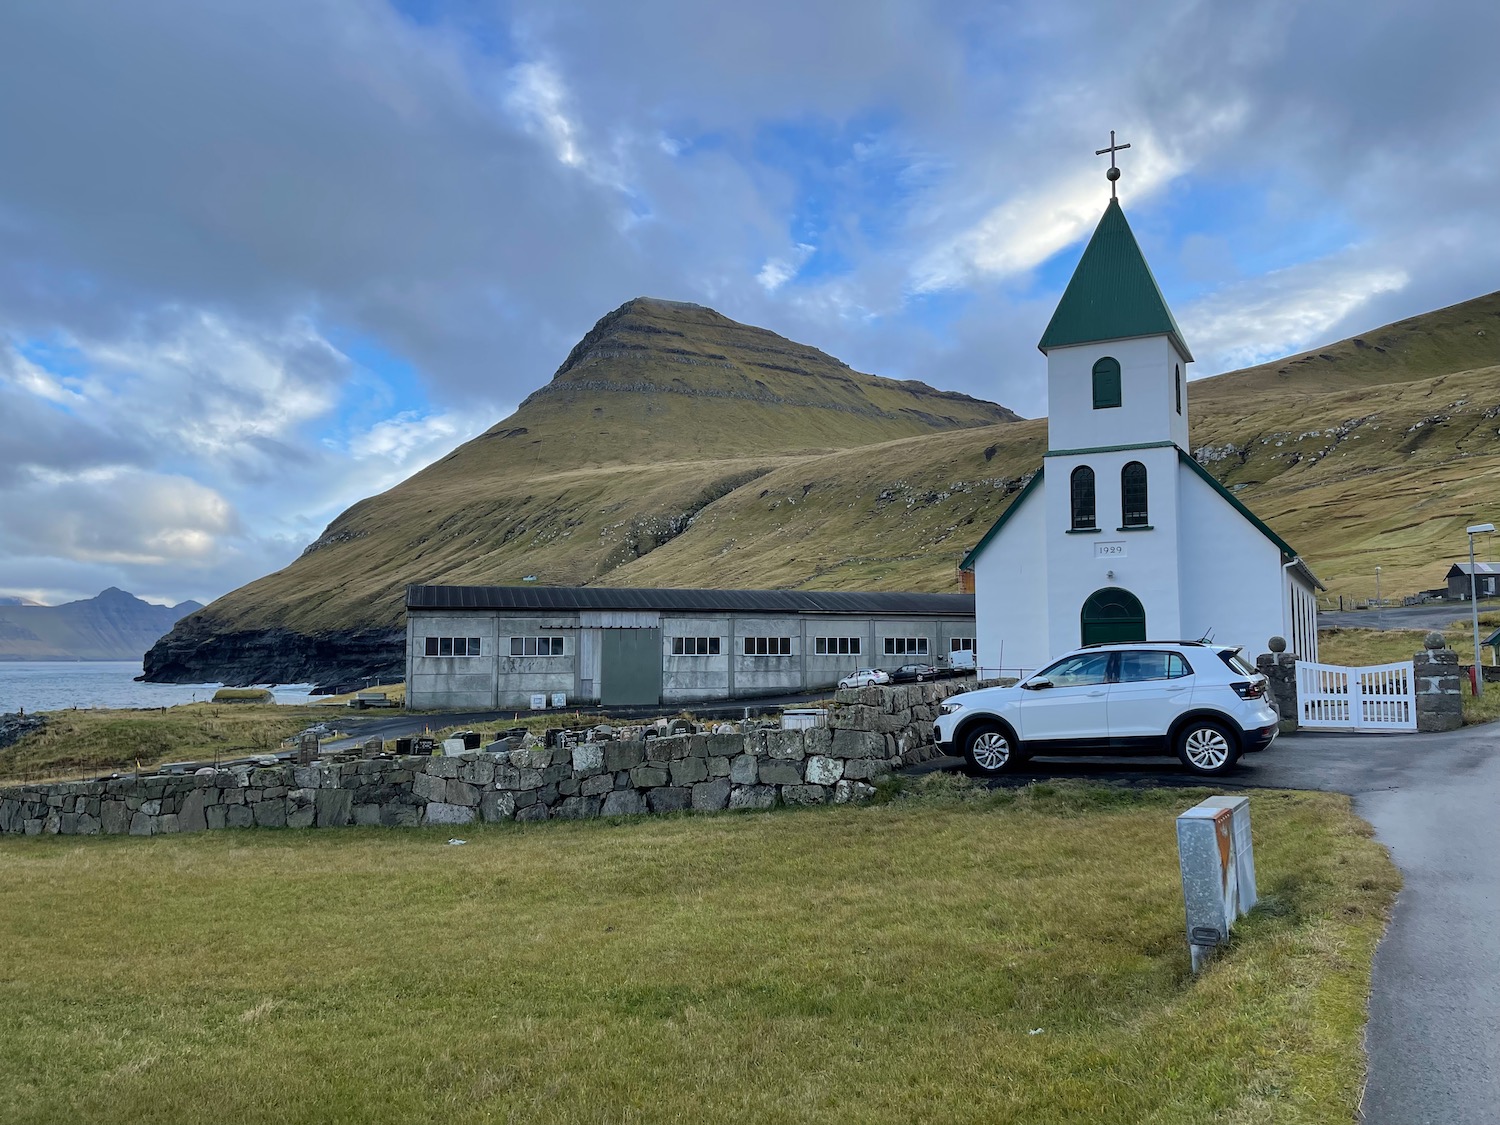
<point>913,674</point>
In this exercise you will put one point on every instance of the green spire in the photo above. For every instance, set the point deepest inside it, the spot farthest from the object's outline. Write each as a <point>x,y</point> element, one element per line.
<point>1112,295</point>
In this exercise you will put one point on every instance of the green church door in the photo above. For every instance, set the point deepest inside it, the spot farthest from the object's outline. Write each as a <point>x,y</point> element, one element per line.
<point>1112,615</point>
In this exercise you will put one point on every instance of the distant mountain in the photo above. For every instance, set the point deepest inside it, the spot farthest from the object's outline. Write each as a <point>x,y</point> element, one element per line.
<point>12,600</point>
<point>113,626</point>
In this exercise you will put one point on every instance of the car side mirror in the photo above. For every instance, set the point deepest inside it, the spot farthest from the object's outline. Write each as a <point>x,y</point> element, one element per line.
<point>1036,685</point>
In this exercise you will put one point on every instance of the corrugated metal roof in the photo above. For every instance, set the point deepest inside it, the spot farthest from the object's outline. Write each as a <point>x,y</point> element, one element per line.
<point>687,601</point>
<point>1112,294</point>
<point>1479,568</point>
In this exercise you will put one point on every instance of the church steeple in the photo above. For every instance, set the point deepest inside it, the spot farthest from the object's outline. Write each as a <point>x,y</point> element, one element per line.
<point>1112,294</point>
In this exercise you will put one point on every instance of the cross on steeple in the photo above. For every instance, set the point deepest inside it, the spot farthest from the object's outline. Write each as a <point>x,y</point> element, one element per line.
<point>1114,173</point>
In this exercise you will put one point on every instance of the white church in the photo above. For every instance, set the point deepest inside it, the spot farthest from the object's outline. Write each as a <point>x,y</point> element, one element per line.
<point>1121,535</point>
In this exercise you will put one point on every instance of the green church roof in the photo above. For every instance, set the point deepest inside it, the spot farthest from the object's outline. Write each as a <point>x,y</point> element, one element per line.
<point>1112,294</point>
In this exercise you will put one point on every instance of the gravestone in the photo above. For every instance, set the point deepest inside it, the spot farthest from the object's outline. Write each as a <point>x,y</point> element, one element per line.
<point>307,749</point>
<point>373,746</point>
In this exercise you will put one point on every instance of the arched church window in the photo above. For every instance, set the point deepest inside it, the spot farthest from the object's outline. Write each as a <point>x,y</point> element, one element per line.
<point>1083,498</point>
<point>1179,388</point>
<point>1106,383</point>
<point>1133,495</point>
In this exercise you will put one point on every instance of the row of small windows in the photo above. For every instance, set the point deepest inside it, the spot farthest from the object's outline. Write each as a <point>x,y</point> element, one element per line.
<point>695,646</point>
<point>768,646</point>
<point>451,646</point>
<point>1133,506</point>
<point>1107,391</point>
<point>906,646</point>
<point>836,646</point>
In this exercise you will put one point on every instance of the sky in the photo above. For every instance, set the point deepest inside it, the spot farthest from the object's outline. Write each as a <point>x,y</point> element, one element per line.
<point>262,258</point>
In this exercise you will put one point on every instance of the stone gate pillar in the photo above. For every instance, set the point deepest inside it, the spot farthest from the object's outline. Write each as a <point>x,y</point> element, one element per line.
<point>1280,670</point>
<point>1440,699</point>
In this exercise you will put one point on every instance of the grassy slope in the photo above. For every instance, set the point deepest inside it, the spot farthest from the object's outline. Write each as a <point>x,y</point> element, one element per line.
<point>787,967</point>
<point>1377,454</point>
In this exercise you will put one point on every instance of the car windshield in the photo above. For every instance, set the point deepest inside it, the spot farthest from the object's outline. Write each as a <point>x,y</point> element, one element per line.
<point>1078,671</point>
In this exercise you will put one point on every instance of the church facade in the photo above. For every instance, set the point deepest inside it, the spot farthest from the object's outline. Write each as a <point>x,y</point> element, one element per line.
<point>1121,535</point>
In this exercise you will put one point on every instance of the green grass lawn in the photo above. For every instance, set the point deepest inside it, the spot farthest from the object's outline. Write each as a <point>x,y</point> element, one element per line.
<point>972,957</point>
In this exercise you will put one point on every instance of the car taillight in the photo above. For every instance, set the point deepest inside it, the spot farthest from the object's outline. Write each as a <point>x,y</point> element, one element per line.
<point>1249,689</point>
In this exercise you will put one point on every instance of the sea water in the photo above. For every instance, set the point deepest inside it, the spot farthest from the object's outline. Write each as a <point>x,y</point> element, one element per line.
<point>55,685</point>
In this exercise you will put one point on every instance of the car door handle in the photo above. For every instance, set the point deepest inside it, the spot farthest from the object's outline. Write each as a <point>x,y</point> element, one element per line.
<point>1095,694</point>
<point>1179,687</point>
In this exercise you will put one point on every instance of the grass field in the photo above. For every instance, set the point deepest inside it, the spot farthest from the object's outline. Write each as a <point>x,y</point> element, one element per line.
<point>993,958</point>
<point>89,742</point>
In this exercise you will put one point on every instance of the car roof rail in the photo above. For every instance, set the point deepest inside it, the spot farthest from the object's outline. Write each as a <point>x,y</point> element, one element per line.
<point>1190,644</point>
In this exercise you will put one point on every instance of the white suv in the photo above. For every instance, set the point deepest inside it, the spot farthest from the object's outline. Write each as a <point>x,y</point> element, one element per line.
<point>1202,702</point>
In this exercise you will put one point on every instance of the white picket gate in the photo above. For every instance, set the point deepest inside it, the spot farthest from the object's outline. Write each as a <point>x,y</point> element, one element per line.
<point>1379,697</point>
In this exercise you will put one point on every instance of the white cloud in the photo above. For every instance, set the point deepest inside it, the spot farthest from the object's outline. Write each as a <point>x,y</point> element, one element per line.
<point>1283,312</point>
<point>778,271</point>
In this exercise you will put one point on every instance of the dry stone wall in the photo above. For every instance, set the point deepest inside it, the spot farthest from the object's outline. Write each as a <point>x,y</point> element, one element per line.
<point>870,733</point>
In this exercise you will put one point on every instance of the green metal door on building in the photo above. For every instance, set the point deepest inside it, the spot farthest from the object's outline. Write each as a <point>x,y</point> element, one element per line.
<point>629,667</point>
<point>1113,615</point>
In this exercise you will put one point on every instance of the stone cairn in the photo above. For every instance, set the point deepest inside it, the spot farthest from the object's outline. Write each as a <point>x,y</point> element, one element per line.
<point>869,734</point>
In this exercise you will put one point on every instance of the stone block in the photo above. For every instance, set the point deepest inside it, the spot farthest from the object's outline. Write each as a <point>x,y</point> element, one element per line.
<point>588,758</point>
<point>462,793</point>
<point>238,816</point>
<point>785,745</point>
<point>425,787</point>
<point>114,818</point>
<point>88,824</point>
<point>752,797</point>
<point>495,805</point>
<point>725,745</point>
<point>824,771</point>
<point>669,799</point>
<point>270,813</point>
<point>141,824</point>
<point>335,807</point>
<point>263,776</point>
<point>217,817</point>
<point>700,745</point>
<point>648,777</point>
<point>857,744</point>
<point>817,740</point>
<point>718,767</point>
<point>710,796</point>
<point>577,808</point>
<point>846,792</point>
<point>688,771</point>
<point>623,755</point>
<point>804,794</point>
<point>445,767</point>
<point>307,777</point>
<point>780,773</point>
<point>193,815</point>
<point>534,811</point>
<point>623,802</point>
<point>301,812</point>
<point>479,772</point>
<point>862,769</point>
<point>745,770</point>
<point>367,815</point>
<point>438,812</point>
<point>152,807</point>
<point>598,785</point>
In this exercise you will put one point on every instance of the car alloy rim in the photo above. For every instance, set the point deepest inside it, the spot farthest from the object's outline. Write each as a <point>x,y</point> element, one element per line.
<point>991,750</point>
<point>1207,748</point>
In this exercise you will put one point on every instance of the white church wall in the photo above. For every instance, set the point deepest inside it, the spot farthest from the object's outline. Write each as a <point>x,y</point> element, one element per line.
<point>1142,562</point>
<point>1148,395</point>
<point>1010,590</point>
<point>1231,573</point>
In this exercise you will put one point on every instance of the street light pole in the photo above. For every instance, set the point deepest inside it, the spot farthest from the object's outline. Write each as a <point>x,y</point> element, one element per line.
<point>1476,529</point>
<point>1379,605</point>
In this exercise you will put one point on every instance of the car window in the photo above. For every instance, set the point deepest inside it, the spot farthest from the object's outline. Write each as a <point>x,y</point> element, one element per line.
<point>1177,666</point>
<point>1138,666</point>
<point>1236,662</point>
<point>1079,671</point>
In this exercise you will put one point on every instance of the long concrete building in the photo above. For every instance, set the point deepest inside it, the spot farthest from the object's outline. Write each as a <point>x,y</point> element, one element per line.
<point>502,646</point>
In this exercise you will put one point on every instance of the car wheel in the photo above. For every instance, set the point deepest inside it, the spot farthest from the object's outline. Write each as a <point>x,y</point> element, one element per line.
<point>989,750</point>
<point>1207,748</point>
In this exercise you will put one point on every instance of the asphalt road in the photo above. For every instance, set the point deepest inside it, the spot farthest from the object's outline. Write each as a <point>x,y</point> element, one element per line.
<point>1405,616</point>
<point>1434,1031</point>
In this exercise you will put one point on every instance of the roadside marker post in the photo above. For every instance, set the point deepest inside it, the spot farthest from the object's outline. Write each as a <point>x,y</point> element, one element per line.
<point>1217,858</point>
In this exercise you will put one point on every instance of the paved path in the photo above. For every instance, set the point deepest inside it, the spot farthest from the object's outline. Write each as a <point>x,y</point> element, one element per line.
<point>1434,799</point>
<point>1431,616</point>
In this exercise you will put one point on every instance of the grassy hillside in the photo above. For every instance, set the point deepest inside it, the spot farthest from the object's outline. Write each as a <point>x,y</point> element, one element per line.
<point>675,447</point>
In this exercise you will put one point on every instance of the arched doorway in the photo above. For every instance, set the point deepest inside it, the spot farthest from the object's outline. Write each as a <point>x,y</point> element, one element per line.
<point>1111,615</point>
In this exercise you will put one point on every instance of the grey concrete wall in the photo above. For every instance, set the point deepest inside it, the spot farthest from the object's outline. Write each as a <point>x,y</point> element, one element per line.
<point>501,681</point>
